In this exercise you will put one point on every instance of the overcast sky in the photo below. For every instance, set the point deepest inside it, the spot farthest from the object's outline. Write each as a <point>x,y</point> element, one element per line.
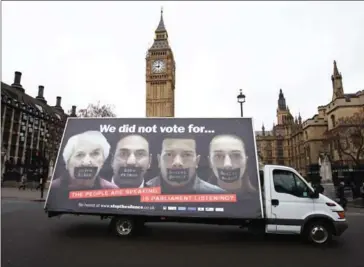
<point>89,51</point>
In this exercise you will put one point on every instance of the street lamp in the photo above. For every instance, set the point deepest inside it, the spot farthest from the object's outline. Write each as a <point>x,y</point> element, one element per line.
<point>241,101</point>
<point>3,158</point>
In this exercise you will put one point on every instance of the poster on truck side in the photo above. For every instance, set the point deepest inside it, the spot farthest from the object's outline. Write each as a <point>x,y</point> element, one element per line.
<point>198,167</point>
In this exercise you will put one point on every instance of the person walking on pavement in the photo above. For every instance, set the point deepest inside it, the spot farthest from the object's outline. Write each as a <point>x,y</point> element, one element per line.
<point>23,182</point>
<point>40,181</point>
<point>362,194</point>
<point>341,194</point>
<point>39,184</point>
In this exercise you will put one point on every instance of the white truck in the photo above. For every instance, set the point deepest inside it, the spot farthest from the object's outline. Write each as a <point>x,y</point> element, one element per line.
<point>135,171</point>
<point>300,211</point>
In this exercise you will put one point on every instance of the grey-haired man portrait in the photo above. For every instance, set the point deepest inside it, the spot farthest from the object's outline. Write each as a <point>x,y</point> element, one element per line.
<point>131,161</point>
<point>84,155</point>
<point>178,163</point>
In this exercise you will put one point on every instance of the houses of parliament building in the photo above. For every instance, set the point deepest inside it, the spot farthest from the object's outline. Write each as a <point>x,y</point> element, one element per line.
<point>30,127</point>
<point>292,141</point>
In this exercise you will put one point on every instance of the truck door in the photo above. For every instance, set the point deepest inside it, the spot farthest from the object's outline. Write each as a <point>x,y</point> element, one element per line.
<point>290,199</point>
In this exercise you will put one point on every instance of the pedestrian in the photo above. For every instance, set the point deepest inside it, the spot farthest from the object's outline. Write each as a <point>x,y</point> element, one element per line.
<point>41,186</point>
<point>354,189</point>
<point>341,194</point>
<point>38,178</point>
<point>362,194</point>
<point>40,183</point>
<point>23,182</point>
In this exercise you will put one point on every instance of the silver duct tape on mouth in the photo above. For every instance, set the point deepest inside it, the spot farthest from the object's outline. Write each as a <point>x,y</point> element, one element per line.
<point>129,172</point>
<point>228,176</point>
<point>85,173</point>
<point>178,175</point>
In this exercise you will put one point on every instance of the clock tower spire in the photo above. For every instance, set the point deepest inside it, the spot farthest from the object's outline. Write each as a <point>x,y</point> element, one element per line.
<point>160,75</point>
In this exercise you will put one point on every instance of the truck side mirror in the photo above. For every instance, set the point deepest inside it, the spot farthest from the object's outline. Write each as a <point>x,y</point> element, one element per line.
<point>320,189</point>
<point>315,193</point>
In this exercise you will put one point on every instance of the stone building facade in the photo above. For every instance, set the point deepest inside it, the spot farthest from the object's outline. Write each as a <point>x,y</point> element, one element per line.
<point>291,141</point>
<point>282,144</point>
<point>300,144</point>
<point>31,129</point>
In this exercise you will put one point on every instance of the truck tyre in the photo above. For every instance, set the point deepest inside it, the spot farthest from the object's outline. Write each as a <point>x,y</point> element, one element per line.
<point>123,226</point>
<point>318,232</point>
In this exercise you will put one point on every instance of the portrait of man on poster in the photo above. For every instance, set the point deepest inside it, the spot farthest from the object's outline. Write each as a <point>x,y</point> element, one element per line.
<point>131,161</point>
<point>229,163</point>
<point>178,163</point>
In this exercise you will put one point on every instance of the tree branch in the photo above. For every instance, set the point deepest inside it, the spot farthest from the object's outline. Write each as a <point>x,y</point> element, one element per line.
<point>96,111</point>
<point>348,135</point>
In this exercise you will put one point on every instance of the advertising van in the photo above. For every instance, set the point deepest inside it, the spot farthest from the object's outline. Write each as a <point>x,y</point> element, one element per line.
<point>191,170</point>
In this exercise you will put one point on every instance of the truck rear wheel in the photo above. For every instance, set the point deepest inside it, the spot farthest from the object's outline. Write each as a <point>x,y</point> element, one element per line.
<point>318,232</point>
<point>123,226</point>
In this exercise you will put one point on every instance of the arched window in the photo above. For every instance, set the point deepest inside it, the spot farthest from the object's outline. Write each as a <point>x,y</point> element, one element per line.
<point>333,121</point>
<point>308,156</point>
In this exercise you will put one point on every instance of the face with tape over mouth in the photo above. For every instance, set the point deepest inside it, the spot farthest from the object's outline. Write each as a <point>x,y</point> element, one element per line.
<point>228,161</point>
<point>131,161</point>
<point>85,155</point>
<point>178,161</point>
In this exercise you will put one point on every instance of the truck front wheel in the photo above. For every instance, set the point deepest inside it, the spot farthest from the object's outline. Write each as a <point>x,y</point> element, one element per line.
<point>123,226</point>
<point>318,232</point>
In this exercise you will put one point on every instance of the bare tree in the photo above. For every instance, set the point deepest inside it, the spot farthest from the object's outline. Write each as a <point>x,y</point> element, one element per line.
<point>96,111</point>
<point>348,137</point>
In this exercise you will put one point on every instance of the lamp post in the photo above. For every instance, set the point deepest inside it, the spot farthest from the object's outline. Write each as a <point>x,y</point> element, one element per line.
<point>3,160</point>
<point>241,101</point>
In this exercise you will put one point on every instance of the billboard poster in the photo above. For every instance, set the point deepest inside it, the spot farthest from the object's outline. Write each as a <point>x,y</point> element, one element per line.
<point>199,167</point>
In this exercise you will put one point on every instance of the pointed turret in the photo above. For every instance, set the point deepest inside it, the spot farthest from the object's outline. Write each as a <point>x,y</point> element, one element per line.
<point>299,118</point>
<point>336,70</point>
<point>281,101</point>
<point>161,36</point>
<point>161,27</point>
<point>263,129</point>
<point>337,84</point>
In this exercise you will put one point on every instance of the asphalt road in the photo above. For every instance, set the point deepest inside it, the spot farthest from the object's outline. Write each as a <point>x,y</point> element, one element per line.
<point>29,238</point>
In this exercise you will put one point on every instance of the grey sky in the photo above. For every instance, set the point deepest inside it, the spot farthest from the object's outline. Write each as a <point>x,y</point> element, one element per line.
<point>89,51</point>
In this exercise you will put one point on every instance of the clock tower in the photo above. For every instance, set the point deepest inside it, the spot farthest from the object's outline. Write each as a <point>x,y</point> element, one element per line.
<point>160,75</point>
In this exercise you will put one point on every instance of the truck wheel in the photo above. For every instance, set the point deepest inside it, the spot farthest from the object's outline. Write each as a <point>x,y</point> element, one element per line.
<point>123,226</point>
<point>318,233</point>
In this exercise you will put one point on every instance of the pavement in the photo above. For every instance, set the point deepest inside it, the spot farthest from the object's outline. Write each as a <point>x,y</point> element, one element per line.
<point>16,184</point>
<point>30,238</point>
<point>28,194</point>
<point>329,190</point>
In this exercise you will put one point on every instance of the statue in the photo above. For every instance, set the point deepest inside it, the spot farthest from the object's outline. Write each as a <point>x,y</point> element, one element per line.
<point>325,168</point>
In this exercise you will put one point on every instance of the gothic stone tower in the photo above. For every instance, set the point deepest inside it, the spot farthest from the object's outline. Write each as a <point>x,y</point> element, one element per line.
<point>337,83</point>
<point>160,75</point>
<point>283,114</point>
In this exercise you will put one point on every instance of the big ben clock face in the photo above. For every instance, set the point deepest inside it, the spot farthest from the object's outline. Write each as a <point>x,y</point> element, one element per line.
<point>158,66</point>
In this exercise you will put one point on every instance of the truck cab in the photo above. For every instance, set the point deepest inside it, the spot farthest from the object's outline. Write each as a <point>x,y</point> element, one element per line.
<point>292,206</point>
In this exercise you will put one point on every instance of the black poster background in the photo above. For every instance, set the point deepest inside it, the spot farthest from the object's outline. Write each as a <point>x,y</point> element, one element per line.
<point>242,127</point>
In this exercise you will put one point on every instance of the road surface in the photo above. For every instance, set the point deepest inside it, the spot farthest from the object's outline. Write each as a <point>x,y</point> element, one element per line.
<point>29,238</point>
